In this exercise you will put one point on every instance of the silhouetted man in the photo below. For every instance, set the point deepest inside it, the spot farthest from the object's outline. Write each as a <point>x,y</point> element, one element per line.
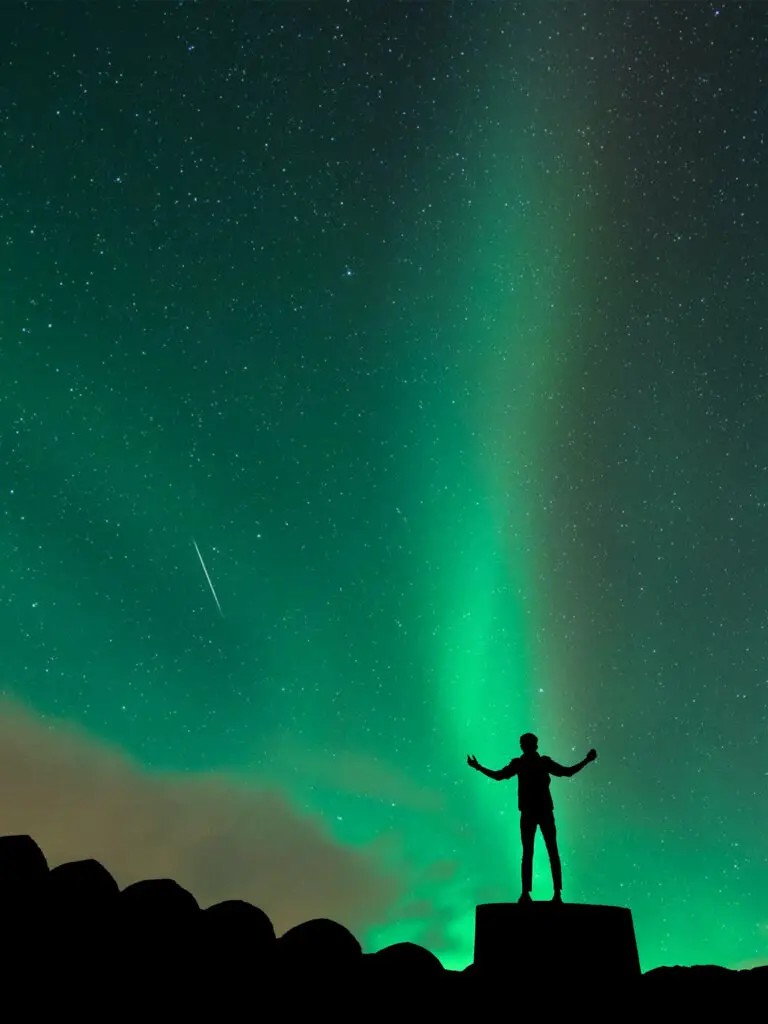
<point>534,801</point>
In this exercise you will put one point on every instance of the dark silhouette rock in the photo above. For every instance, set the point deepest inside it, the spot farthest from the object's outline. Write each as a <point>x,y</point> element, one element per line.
<point>157,900</point>
<point>575,942</point>
<point>406,960</point>
<point>406,975</point>
<point>236,939</point>
<point>157,914</point>
<point>23,881</point>
<point>82,887</point>
<point>80,914</point>
<point>156,940</point>
<point>320,946</point>
<point>316,963</point>
<point>23,885</point>
<point>80,945</point>
<point>80,924</point>
<point>236,920</point>
<point>702,988</point>
<point>23,868</point>
<point>700,977</point>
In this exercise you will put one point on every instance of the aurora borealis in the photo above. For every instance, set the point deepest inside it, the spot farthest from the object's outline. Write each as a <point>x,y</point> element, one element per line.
<point>440,328</point>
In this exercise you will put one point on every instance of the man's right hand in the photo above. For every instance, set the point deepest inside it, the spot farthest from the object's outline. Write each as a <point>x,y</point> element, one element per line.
<point>473,762</point>
<point>591,755</point>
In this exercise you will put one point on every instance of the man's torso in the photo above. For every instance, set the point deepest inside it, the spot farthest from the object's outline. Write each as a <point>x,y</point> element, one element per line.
<point>533,794</point>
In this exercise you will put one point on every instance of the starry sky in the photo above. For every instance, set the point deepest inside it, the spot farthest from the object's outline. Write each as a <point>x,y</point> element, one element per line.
<point>439,331</point>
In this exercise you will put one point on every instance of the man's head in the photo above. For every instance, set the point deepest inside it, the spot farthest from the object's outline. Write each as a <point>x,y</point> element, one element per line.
<point>529,743</point>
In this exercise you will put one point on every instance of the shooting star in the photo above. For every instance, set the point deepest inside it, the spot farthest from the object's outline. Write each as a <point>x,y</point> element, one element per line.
<point>197,549</point>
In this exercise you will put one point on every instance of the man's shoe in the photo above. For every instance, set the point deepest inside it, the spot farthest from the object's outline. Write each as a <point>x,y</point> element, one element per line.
<point>557,898</point>
<point>525,898</point>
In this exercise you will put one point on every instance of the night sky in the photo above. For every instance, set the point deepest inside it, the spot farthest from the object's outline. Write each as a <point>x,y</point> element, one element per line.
<point>439,329</point>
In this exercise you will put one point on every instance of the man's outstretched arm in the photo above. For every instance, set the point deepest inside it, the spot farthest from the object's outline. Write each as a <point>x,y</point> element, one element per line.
<point>503,773</point>
<point>561,769</point>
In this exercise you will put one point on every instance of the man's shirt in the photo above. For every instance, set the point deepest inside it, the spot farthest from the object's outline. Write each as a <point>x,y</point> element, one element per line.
<point>533,773</point>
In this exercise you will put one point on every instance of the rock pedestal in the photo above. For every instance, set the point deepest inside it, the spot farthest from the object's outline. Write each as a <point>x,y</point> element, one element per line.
<point>576,942</point>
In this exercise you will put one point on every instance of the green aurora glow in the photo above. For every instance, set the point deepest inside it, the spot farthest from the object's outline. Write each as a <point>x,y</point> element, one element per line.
<point>445,347</point>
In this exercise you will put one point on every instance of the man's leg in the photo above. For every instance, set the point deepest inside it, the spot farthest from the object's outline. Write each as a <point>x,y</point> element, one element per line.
<point>527,834</point>
<point>549,831</point>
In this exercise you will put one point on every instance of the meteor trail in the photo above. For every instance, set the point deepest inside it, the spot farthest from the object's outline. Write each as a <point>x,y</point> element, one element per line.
<point>197,549</point>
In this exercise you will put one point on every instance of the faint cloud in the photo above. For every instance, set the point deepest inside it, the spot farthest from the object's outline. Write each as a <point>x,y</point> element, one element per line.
<point>747,965</point>
<point>442,871</point>
<point>357,773</point>
<point>218,837</point>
